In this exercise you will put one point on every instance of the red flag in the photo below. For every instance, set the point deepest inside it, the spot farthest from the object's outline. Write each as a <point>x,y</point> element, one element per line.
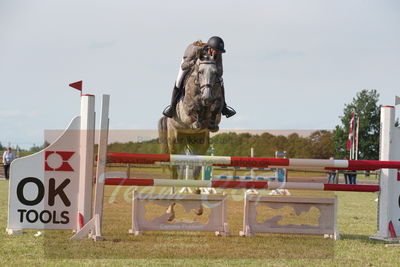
<point>351,129</point>
<point>77,85</point>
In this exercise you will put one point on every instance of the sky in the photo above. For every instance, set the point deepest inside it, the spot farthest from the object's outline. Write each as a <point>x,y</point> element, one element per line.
<point>289,64</point>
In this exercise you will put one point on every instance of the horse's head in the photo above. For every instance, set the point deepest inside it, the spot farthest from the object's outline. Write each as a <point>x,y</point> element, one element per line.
<point>203,96</point>
<point>207,77</point>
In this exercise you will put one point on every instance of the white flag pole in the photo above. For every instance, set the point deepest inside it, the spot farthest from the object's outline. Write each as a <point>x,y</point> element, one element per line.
<point>357,137</point>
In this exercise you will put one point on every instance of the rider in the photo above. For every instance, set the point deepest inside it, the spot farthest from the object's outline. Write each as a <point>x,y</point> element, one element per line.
<point>215,48</point>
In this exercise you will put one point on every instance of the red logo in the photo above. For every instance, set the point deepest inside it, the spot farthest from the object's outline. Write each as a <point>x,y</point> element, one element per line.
<point>57,161</point>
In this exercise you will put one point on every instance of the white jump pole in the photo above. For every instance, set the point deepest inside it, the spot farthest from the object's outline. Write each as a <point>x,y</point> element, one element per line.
<point>102,159</point>
<point>92,228</point>
<point>252,191</point>
<point>389,198</point>
<point>86,159</point>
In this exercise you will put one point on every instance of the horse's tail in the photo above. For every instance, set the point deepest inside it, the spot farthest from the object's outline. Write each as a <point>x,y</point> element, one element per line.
<point>163,135</point>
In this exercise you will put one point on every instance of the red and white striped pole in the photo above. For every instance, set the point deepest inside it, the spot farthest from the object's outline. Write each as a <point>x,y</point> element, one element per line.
<point>242,184</point>
<point>251,162</point>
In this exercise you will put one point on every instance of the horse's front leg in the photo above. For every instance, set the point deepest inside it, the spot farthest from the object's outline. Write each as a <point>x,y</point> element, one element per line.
<point>215,111</point>
<point>199,211</point>
<point>200,145</point>
<point>171,212</point>
<point>174,147</point>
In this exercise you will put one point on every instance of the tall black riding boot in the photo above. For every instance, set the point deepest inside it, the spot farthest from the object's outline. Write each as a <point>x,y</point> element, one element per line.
<point>170,110</point>
<point>226,110</point>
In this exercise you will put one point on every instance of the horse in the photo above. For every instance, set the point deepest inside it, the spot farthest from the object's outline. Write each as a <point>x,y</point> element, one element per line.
<point>201,105</point>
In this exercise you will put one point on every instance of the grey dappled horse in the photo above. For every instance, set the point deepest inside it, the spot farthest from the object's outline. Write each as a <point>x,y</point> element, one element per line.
<point>188,130</point>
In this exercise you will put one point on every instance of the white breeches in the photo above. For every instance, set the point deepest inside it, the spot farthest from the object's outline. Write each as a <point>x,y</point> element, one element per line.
<point>181,74</point>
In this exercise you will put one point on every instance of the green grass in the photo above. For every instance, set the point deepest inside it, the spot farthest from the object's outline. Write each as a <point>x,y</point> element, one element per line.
<point>356,221</point>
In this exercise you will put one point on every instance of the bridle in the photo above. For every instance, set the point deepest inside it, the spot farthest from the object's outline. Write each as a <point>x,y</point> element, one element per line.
<point>197,80</point>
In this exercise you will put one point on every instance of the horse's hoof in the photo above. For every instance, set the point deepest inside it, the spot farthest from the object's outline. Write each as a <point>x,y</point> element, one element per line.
<point>171,212</point>
<point>214,128</point>
<point>171,217</point>
<point>199,211</point>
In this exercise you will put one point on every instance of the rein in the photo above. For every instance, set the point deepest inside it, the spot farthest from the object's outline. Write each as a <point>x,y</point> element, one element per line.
<point>205,85</point>
<point>207,62</point>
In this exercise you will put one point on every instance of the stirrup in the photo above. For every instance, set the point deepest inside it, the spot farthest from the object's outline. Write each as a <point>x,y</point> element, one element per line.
<point>168,112</point>
<point>228,111</point>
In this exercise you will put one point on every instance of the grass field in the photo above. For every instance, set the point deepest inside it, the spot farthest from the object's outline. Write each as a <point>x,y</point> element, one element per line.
<point>356,221</point>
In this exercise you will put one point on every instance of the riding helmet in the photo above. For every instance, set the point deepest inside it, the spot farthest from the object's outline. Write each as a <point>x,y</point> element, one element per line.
<point>216,43</point>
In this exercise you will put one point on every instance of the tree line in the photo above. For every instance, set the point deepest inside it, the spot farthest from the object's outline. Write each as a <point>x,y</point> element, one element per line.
<point>318,145</point>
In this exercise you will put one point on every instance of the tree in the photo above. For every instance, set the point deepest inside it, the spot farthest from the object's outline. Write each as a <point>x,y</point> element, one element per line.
<point>298,147</point>
<point>36,148</point>
<point>366,108</point>
<point>321,145</point>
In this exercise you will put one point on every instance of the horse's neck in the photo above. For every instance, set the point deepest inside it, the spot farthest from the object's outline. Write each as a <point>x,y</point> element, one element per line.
<point>185,107</point>
<point>190,88</point>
